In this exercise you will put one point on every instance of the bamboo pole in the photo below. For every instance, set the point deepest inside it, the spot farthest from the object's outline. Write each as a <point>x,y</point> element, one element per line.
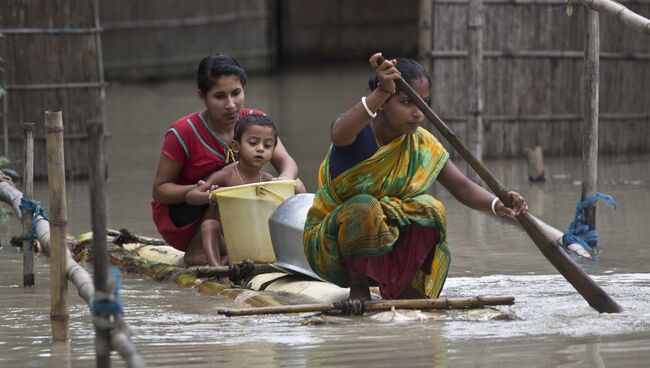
<point>100,65</point>
<point>527,2</point>
<point>100,250</point>
<point>5,123</point>
<point>625,15</point>
<point>376,306</point>
<point>475,24</point>
<point>550,118</point>
<point>56,86</point>
<point>590,108</point>
<point>28,180</point>
<point>58,223</point>
<point>425,34</point>
<point>539,54</point>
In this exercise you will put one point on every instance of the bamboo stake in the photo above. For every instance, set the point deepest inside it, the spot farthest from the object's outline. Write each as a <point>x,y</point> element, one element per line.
<point>475,24</point>
<point>625,15</point>
<point>535,164</point>
<point>58,222</point>
<point>28,179</point>
<point>590,130</point>
<point>591,292</point>
<point>5,124</point>
<point>100,250</point>
<point>376,306</point>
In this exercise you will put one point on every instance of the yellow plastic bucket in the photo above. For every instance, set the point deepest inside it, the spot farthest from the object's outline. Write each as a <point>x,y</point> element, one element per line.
<point>245,211</point>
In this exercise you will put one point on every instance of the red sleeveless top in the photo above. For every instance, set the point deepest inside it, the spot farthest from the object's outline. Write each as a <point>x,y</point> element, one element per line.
<point>191,143</point>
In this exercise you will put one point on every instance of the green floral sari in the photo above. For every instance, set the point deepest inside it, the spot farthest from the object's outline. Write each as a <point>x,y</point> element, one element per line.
<point>361,212</point>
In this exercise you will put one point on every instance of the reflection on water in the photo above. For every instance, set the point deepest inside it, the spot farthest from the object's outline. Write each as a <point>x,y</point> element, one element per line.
<point>179,327</point>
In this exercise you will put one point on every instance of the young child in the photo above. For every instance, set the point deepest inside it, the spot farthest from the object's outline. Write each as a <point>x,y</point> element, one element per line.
<point>255,138</point>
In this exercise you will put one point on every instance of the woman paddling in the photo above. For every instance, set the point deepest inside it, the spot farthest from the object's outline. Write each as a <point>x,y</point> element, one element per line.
<point>197,145</point>
<point>371,216</point>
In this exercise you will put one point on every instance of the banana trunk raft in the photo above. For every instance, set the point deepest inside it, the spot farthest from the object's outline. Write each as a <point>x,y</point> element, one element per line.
<point>259,285</point>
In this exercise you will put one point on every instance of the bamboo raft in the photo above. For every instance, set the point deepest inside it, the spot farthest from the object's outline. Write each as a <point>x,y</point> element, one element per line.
<point>258,286</point>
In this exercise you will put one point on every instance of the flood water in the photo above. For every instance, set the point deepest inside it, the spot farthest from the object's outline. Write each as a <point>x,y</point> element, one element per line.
<point>178,327</point>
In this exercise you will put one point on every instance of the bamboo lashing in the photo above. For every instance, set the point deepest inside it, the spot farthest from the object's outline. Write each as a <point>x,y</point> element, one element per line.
<point>377,306</point>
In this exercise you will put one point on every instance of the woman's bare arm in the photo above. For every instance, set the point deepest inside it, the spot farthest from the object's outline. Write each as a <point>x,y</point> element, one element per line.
<point>464,190</point>
<point>165,190</point>
<point>346,128</point>
<point>283,163</point>
<point>200,194</point>
<point>474,196</point>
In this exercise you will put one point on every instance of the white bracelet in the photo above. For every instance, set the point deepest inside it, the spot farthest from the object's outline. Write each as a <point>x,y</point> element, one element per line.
<point>365,106</point>
<point>494,203</point>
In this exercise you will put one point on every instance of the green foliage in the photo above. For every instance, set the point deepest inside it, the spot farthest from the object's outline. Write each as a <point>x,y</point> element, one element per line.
<point>569,8</point>
<point>4,168</point>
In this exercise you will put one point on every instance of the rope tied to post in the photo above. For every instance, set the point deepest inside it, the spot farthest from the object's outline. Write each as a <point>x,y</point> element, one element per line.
<point>579,231</point>
<point>241,271</point>
<point>109,301</point>
<point>351,307</point>
<point>30,205</point>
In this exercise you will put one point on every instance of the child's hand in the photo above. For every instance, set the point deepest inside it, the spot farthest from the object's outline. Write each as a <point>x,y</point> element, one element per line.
<point>200,182</point>
<point>213,187</point>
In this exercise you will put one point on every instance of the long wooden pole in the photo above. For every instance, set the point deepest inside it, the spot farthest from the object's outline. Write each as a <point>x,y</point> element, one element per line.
<point>475,24</point>
<point>425,33</point>
<point>100,250</point>
<point>28,179</point>
<point>58,223</point>
<point>376,306</point>
<point>591,77</point>
<point>593,294</point>
<point>625,15</point>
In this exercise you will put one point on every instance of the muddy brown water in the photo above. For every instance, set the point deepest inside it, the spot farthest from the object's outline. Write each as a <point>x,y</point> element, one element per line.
<point>178,327</point>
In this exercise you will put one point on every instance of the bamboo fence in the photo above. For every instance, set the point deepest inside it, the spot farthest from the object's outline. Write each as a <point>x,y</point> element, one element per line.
<point>153,39</point>
<point>52,61</point>
<point>532,76</point>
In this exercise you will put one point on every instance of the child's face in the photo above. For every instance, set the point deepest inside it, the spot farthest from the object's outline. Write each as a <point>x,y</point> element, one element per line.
<point>257,145</point>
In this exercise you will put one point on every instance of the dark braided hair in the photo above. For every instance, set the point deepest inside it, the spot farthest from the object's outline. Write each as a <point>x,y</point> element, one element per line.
<point>254,119</point>
<point>411,71</point>
<point>215,66</point>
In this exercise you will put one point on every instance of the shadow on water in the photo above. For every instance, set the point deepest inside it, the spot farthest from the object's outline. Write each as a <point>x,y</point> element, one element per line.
<point>179,327</point>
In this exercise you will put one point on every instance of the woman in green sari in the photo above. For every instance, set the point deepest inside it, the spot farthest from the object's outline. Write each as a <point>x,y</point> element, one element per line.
<point>372,216</point>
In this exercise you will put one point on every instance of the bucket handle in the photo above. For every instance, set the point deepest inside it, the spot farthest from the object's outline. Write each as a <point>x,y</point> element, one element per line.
<point>261,190</point>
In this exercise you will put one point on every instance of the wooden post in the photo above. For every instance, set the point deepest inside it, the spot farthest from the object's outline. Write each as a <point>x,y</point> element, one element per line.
<point>100,250</point>
<point>475,92</point>
<point>5,124</point>
<point>590,131</point>
<point>425,16</point>
<point>535,164</point>
<point>58,223</point>
<point>28,180</point>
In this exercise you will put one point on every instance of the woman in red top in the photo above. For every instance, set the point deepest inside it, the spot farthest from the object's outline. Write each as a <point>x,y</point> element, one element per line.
<point>195,146</point>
